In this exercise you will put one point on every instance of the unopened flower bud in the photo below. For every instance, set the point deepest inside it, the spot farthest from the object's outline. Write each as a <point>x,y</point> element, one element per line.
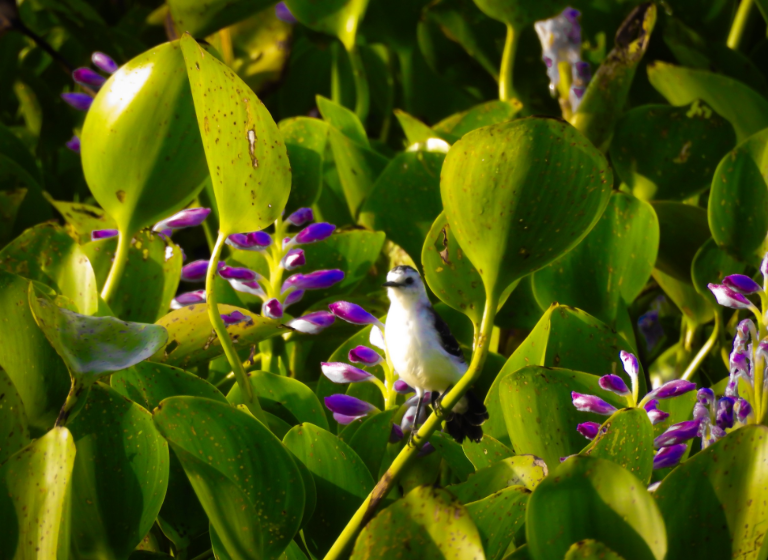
<point>314,233</point>
<point>252,241</point>
<point>301,216</point>
<point>73,144</point>
<point>189,298</point>
<point>294,297</point>
<point>196,271</point>
<point>706,396</point>
<point>352,313</point>
<point>742,409</point>
<point>103,234</point>
<point>591,403</point>
<point>294,259</point>
<point>312,323</point>
<point>339,372</point>
<point>614,383</point>
<point>742,284</point>
<point>677,433</point>
<point>346,408</point>
<point>235,317</point>
<point>727,297</point>
<point>237,273</point>
<point>669,456</point>
<point>629,361</point>
<point>251,287</point>
<point>672,389</point>
<point>724,412</point>
<point>317,280</point>
<point>190,217</point>
<point>402,387</point>
<point>272,309</point>
<point>104,62</point>
<point>79,101</point>
<point>87,77</point>
<point>588,429</point>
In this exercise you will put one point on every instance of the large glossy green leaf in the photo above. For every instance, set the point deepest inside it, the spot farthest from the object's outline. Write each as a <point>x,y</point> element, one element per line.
<point>723,484</point>
<point>683,230</point>
<point>503,224</point>
<point>33,492</point>
<point>613,262</point>
<point>487,452</point>
<point>432,522</point>
<point>498,517</point>
<point>370,440</point>
<point>589,498</point>
<point>417,132</point>
<point>341,478</point>
<point>343,120</point>
<point>339,18</point>
<point>738,190</point>
<point>246,155</point>
<point>191,338</point>
<point>204,18</point>
<point>670,153</point>
<point>521,470</point>
<point>36,370</point>
<point>120,475</point>
<point>305,141</point>
<point>14,431</point>
<point>452,454</point>
<point>255,505</point>
<point>141,165</point>
<point>46,253</point>
<point>697,307</point>
<point>742,106</point>
<point>484,114</point>
<point>82,219</point>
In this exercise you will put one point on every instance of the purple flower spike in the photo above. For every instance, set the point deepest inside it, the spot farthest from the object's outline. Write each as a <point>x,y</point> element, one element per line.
<point>724,414</point>
<point>314,233</point>
<point>396,434</point>
<point>294,297</point>
<point>283,13</point>
<point>189,298</point>
<point>425,450</point>
<point>677,433</point>
<point>364,355</point>
<point>196,271</point>
<point>272,309</point>
<point>614,383</point>
<point>302,215</point>
<point>87,77</point>
<point>726,297</point>
<point>742,284</point>
<point>671,389</point>
<point>669,456</point>
<point>104,62</point>
<point>294,259</point>
<point>588,429</point>
<point>402,387</point>
<point>103,234</point>
<point>352,313</point>
<point>79,101</point>
<point>591,403</point>
<point>706,396</point>
<point>742,409</point>
<point>348,406</point>
<point>253,241</point>
<point>312,323</point>
<point>235,317</point>
<point>629,361</point>
<point>317,280</point>
<point>339,372</point>
<point>73,144</point>
<point>236,273</point>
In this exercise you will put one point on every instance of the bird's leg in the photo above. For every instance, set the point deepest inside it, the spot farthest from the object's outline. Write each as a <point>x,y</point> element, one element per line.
<point>437,400</point>
<point>419,403</point>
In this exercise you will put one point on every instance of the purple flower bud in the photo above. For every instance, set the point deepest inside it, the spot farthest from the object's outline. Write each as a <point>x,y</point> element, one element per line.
<point>425,450</point>
<point>654,414</point>
<point>677,433</point>
<point>73,144</point>
<point>235,317</point>
<point>317,280</point>
<point>588,429</point>
<point>726,297</point>
<point>294,259</point>
<point>104,62</point>
<point>739,363</point>
<point>402,387</point>
<point>396,434</point>
<point>196,271</point>
<point>377,338</point>
<point>189,298</point>
<point>302,215</point>
<point>253,241</point>
<point>706,396</point>
<point>314,233</point>
<point>283,13</point>
<point>236,273</point>
<point>87,77</point>
<point>103,234</point>
<point>700,411</point>
<point>348,406</point>
<point>339,372</point>
<point>614,383</point>
<point>294,297</point>
<point>742,284</point>
<point>671,389</point>
<point>591,403</point>
<point>364,355</point>
<point>248,287</point>
<point>548,61</point>
<point>79,101</point>
<point>352,313</point>
<point>630,364</point>
<point>745,329</point>
<point>190,217</point>
<point>272,309</point>
<point>650,328</point>
<point>578,92</point>
<point>742,409</point>
<point>669,456</point>
<point>312,323</point>
<point>724,413</point>
<point>764,266</point>
<point>581,71</point>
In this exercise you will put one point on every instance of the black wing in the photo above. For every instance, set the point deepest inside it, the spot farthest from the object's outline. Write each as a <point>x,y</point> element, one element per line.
<point>448,341</point>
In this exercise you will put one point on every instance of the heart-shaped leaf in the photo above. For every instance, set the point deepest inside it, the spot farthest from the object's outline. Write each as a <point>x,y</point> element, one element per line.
<point>521,470</point>
<point>245,151</point>
<point>205,19</point>
<point>683,230</point>
<point>343,120</point>
<point>305,140</point>
<point>487,452</point>
<point>503,224</point>
<point>498,517</point>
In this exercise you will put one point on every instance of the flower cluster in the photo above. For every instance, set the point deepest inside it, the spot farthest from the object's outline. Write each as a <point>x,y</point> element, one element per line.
<point>670,450</point>
<point>560,39</point>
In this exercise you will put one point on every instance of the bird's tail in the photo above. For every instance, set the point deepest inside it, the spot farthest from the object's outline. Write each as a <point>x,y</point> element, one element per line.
<point>467,417</point>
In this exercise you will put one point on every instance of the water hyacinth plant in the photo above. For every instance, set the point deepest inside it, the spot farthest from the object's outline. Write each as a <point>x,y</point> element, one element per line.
<point>213,241</point>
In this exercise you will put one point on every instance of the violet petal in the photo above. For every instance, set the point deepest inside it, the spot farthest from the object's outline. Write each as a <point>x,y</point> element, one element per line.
<point>73,144</point>
<point>677,433</point>
<point>314,232</point>
<point>742,284</point>
<point>591,403</point>
<point>79,101</point>
<point>237,273</point>
<point>302,215</point>
<point>364,355</point>
<point>669,456</point>
<point>188,298</point>
<point>87,77</point>
<point>272,309</point>
<point>339,372</point>
<point>588,429</point>
<point>312,323</point>
<point>614,383</point>
<point>726,297</point>
<point>348,405</point>
<point>103,234</point>
<point>352,313</point>
<point>104,62</point>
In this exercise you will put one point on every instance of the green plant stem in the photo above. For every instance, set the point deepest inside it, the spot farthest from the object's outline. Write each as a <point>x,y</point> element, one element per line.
<point>118,267</point>
<point>704,350</point>
<point>368,508</point>
<point>202,556</point>
<point>221,331</point>
<point>506,89</point>
<point>362,94</point>
<point>739,23</point>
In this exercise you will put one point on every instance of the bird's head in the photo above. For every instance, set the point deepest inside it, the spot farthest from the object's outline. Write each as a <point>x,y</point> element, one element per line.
<point>405,285</point>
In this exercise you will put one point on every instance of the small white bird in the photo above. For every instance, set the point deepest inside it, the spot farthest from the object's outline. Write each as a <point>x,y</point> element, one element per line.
<point>425,354</point>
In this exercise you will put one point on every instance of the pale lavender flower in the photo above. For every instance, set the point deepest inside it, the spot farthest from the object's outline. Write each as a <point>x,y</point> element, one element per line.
<point>104,62</point>
<point>591,403</point>
<point>312,323</point>
<point>188,298</point>
<point>339,372</point>
<point>190,217</point>
<point>272,309</point>
<point>352,313</point>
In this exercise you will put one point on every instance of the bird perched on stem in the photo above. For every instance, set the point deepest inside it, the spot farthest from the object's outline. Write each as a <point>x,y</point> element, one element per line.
<point>426,355</point>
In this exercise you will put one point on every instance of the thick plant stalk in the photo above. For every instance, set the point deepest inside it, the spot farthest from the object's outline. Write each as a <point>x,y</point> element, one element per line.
<point>506,88</point>
<point>739,23</point>
<point>118,267</point>
<point>368,508</point>
<point>704,351</point>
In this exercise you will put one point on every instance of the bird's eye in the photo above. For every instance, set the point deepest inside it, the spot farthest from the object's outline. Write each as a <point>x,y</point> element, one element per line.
<point>409,280</point>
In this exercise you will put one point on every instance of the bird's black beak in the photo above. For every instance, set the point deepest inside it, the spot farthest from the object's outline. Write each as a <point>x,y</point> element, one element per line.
<point>392,285</point>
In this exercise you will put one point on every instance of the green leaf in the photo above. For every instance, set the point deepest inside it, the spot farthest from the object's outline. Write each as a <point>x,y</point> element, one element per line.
<point>370,440</point>
<point>305,141</point>
<point>538,409</point>
<point>47,254</point>
<point>506,229</point>
<point>82,219</point>
<point>613,262</point>
<point>144,291</point>
<point>589,498</point>
<point>487,452</point>
<point>712,264</point>
<point>453,455</point>
<point>339,18</point>
<point>36,370</point>
<point>14,432</point>
<point>626,438</point>
<point>416,132</point>
<point>191,339</point>
<point>10,203</point>
<point>683,230</point>
<point>244,149</point>
<point>722,484</point>
<point>670,153</point>
<point>411,180</point>
<point>742,106</point>
<point>484,114</point>
<point>204,19</point>
<point>255,505</point>
<point>738,188</point>
<point>590,549</point>
<point>432,522</point>
<point>120,475</point>
<point>341,478</point>
<point>698,308</point>
<point>498,517</point>
<point>343,120</point>
<point>140,165</point>
<point>521,14</point>
<point>33,496</point>
<point>522,470</point>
